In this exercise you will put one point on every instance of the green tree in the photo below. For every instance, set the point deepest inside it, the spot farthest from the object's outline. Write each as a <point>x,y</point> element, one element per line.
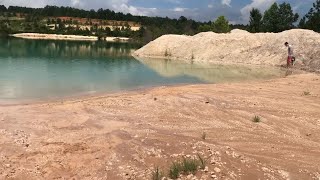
<point>312,19</point>
<point>2,9</point>
<point>205,28</point>
<point>287,17</point>
<point>255,21</point>
<point>48,21</point>
<point>108,31</point>
<point>302,23</point>
<point>4,28</point>
<point>221,25</point>
<point>270,19</point>
<point>61,24</point>
<point>279,18</point>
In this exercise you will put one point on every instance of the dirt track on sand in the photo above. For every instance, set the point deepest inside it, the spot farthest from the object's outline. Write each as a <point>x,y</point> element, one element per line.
<point>123,136</point>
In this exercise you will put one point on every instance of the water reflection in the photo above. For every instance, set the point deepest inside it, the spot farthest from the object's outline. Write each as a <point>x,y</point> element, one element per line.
<point>36,69</point>
<point>211,73</point>
<point>42,69</point>
<point>15,47</point>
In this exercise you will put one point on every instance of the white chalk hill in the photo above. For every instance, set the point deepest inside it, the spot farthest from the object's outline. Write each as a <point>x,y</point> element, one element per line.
<point>237,47</point>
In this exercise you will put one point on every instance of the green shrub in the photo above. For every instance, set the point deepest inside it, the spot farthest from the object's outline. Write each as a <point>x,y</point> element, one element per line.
<point>157,174</point>
<point>175,170</point>
<point>189,166</point>
<point>256,119</point>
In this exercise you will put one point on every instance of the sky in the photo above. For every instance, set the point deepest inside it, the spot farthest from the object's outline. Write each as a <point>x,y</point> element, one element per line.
<point>237,11</point>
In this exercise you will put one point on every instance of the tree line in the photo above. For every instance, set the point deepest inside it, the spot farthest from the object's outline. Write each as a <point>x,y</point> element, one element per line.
<point>280,17</point>
<point>277,18</point>
<point>152,27</point>
<point>312,19</point>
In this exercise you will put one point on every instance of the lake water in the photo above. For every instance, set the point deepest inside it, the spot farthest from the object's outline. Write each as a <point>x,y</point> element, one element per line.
<point>41,69</point>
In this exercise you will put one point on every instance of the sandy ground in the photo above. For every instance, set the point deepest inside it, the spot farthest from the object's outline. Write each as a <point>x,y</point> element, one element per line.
<point>125,135</point>
<point>66,37</point>
<point>238,47</point>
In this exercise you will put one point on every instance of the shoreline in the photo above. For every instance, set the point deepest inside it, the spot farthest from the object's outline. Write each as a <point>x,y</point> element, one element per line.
<point>124,135</point>
<point>95,95</point>
<point>39,36</point>
<point>92,96</point>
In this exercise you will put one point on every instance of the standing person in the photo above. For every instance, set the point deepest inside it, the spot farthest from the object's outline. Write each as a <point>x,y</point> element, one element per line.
<point>291,58</point>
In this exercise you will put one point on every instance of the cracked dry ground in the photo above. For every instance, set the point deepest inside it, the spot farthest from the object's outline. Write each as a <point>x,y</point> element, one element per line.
<point>126,135</point>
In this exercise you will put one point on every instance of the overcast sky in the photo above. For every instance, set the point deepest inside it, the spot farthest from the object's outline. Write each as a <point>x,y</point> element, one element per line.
<point>237,11</point>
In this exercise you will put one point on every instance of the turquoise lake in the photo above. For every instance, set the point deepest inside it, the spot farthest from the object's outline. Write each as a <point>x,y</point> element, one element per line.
<point>41,70</point>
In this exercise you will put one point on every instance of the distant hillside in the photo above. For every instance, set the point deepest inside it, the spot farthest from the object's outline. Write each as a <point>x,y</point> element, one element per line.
<point>104,22</point>
<point>86,23</point>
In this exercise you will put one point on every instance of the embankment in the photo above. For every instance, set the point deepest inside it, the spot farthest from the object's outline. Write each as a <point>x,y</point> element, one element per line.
<point>238,47</point>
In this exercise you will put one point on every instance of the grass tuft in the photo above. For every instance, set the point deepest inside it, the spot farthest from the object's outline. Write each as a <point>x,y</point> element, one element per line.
<point>186,166</point>
<point>157,174</point>
<point>306,93</point>
<point>175,170</point>
<point>202,162</point>
<point>204,136</point>
<point>167,53</point>
<point>189,166</point>
<point>256,119</point>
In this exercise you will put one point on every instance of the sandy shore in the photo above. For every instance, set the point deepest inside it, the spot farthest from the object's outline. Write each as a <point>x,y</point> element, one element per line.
<point>67,37</point>
<point>125,135</point>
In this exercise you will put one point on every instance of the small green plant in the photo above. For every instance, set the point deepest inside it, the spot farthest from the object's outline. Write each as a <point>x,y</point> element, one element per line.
<point>306,93</point>
<point>157,174</point>
<point>166,53</point>
<point>175,170</point>
<point>186,166</point>
<point>189,166</point>
<point>204,136</point>
<point>256,119</point>
<point>202,162</point>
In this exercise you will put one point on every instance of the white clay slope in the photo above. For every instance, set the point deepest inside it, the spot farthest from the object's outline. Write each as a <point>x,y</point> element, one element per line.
<point>237,47</point>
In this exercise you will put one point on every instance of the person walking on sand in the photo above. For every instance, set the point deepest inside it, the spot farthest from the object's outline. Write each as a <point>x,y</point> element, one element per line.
<point>291,57</point>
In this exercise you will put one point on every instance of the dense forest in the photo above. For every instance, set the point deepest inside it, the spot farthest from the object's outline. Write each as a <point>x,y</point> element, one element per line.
<point>277,18</point>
